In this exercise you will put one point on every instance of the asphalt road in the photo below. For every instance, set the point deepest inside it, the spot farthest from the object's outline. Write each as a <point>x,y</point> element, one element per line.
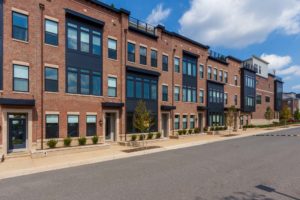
<point>253,168</point>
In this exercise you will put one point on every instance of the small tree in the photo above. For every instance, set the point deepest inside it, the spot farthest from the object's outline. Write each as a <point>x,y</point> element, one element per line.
<point>297,114</point>
<point>285,114</point>
<point>230,118</point>
<point>142,120</point>
<point>269,114</point>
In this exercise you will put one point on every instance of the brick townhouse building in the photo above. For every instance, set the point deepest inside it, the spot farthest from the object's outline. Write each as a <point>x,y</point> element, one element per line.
<point>72,68</point>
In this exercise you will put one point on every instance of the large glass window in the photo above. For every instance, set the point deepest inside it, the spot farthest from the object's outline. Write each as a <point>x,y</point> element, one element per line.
<point>51,32</point>
<point>153,58</point>
<point>21,78</point>
<point>112,87</point>
<point>189,66</point>
<point>73,125</point>
<point>201,71</point>
<point>189,94</point>
<point>20,26</point>
<point>96,43</point>
<point>141,88</point>
<point>146,89</point>
<point>165,63</point>
<point>184,122</point>
<point>72,36</point>
<point>165,93</point>
<point>96,83</point>
<point>192,121</point>
<point>84,40</point>
<point>176,122</point>
<point>72,81</point>
<point>215,74</point>
<point>52,127</point>
<point>177,65</point>
<point>138,91</point>
<point>209,73</point>
<point>201,96</point>
<point>85,82</point>
<point>112,49</point>
<point>176,93</point>
<point>131,52</point>
<point>143,55</point>
<point>51,79</point>
<point>91,125</point>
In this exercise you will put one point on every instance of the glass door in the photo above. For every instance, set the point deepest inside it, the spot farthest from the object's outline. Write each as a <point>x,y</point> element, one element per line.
<point>17,131</point>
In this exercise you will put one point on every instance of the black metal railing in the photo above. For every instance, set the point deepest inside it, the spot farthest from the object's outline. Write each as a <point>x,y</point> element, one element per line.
<point>250,66</point>
<point>217,56</point>
<point>142,26</point>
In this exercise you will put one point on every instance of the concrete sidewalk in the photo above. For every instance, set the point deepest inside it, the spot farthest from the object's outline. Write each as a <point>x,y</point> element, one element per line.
<point>26,165</point>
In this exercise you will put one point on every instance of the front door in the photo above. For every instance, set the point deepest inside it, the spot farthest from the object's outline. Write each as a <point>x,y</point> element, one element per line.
<point>17,132</point>
<point>165,124</point>
<point>110,126</point>
<point>200,122</point>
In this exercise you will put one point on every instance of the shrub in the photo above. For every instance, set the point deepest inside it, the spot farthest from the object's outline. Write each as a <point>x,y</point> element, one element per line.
<point>197,130</point>
<point>82,141</point>
<point>95,139</point>
<point>133,137</point>
<point>150,136</point>
<point>52,143</point>
<point>225,128</point>
<point>212,128</point>
<point>190,131</point>
<point>67,141</point>
<point>158,135</point>
<point>180,132</point>
<point>184,132</point>
<point>205,129</point>
<point>142,137</point>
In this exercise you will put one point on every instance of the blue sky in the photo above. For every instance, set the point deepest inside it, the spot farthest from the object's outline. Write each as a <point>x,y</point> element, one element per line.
<point>269,29</point>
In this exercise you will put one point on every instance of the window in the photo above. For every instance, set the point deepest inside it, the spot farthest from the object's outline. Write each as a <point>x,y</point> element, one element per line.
<point>165,93</point>
<point>258,99</point>
<point>176,93</point>
<point>143,56</point>
<point>176,65</point>
<point>21,78</point>
<point>20,26</point>
<point>73,125</point>
<point>176,122</point>
<point>165,63</point>
<point>249,101</point>
<point>91,125</point>
<point>131,52</point>
<point>84,40</point>
<point>51,79</point>
<point>84,82</point>
<point>226,77</point>
<point>52,127</point>
<point>235,80</point>
<point>72,36</point>
<point>209,73</point>
<point>189,94</point>
<point>235,100</point>
<point>201,96</point>
<point>250,82</point>
<point>112,49</point>
<point>153,58</point>
<point>221,76</point>
<point>96,43</point>
<point>192,121</point>
<point>96,83</point>
<point>112,87</point>
<point>51,32</point>
<point>268,99</point>
<point>184,122</point>
<point>226,98</point>
<point>141,88</point>
<point>259,71</point>
<point>201,71</point>
<point>189,66</point>
<point>215,74</point>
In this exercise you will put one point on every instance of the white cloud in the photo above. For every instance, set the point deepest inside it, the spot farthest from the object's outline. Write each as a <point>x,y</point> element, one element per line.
<point>293,70</point>
<point>276,61</point>
<point>158,14</point>
<point>287,78</point>
<point>296,87</point>
<point>235,23</point>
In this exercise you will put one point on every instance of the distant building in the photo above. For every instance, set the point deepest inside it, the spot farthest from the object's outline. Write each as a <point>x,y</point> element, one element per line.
<point>292,101</point>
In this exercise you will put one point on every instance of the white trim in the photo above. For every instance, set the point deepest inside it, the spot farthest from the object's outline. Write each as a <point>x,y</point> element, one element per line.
<point>152,48</point>
<point>177,57</point>
<point>91,113</point>
<point>22,41</point>
<point>51,113</point>
<point>143,45</point>
<point>15,62</point>
<point>112,37</point>
<point>51,65</point>
<point>165,84</point>
<point>165,54</point>
<point>177,85</point>
<point>20,11</point>
<point>51,18</point>
<point>132,42</point>
<point>73,113</point>
<point>112,76</point>
<point>264,91</point>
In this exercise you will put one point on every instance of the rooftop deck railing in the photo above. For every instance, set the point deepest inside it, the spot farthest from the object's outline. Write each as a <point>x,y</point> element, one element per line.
<point>142,26</point>
<point>217,56</point>
<point>251,67</point>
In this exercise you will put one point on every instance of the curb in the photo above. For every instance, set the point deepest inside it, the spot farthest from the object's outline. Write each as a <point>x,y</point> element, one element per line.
<point>124,155</point>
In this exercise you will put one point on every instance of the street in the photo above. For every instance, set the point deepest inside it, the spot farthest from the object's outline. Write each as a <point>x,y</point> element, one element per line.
<point>254,168</point>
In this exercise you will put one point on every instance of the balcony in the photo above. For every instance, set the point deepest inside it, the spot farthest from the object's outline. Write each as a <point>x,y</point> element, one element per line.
<point>217,56</point>
<point>142,27</point>
<point>250,67</point>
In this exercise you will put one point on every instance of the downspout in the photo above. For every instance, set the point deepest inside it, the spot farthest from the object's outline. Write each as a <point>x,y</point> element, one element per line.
<point>125,63</point>
<point>42,8</point>
<point>173,85</point>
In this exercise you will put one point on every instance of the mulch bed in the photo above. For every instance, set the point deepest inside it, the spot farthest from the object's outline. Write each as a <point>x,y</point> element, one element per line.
<point>230,135</point>
<point>141,149</point>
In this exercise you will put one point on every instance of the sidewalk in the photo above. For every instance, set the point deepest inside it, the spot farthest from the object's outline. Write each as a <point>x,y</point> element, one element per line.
<point>26,165</point>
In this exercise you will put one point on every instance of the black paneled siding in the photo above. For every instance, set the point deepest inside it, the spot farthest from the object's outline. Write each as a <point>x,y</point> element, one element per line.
<point>1,44</point>
<point>246,91</point>
<point>190,81</point>
<point>214,107</point>
<point>278,95</point>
